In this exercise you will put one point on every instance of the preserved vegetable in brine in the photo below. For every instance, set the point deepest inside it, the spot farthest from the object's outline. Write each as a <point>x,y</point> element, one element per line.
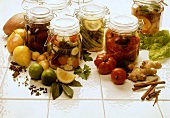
<point>150,11</point>
<point>122,47</point>
<point>37,20</point>
<point>91,18</point>
<point>64,43</point>
<point>122,40</point>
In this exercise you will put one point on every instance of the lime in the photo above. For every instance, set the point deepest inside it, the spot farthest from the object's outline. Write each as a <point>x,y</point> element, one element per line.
<point>35,71</point>
<point>48,76</point>
<point>92,25</point>
<point>64,76</point>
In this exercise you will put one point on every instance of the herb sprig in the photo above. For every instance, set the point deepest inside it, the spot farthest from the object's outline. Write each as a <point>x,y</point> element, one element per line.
<point>83,72</point>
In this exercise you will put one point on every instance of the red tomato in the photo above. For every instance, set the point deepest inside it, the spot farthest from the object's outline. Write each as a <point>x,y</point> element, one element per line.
<point>118,76</point>
<point>105,63</point>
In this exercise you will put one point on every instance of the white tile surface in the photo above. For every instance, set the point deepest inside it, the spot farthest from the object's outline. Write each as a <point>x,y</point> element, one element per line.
<point>76,109</point>
<point>132,109</point>
<point>164,107</point>
<point>97,98</point>
<point>23,109</point>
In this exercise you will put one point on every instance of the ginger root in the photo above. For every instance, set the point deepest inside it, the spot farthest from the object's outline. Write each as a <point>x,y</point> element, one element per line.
<point>151,64</point>
<point>146,69</point>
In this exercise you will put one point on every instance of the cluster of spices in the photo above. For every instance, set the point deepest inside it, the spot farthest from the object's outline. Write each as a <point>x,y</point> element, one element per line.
<point>36,90</point>
<point>17,69</point>
<point>20,69</point>
<point>151,92</point>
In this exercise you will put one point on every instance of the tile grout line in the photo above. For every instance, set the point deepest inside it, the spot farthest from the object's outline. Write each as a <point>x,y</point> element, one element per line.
<point>102,97</point>
<point>160,110</point>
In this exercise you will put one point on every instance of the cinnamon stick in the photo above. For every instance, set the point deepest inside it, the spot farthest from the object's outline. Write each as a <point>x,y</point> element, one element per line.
<point>156,99</point>
<point>148,83</point>
<point>136,88</point>
<point>153,94</point>
<point>148,91</point>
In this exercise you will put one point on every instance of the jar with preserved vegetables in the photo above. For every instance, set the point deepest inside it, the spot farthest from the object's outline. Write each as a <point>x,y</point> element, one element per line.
<point>37,20</point>
<point>64,43</point>
<point>150,11</point>
<point>122,40</point>
<point>92,18</point>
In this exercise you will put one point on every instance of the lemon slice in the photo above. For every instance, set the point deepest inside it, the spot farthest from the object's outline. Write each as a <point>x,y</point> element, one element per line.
<point>92,25</point>
<point>64,76</point>
<point>147,23</point>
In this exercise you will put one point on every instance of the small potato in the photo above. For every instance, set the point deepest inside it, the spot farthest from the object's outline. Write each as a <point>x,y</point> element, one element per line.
<point>35,55</point>
<point>16,21</point>
<point>44,64</point>
<point>41,58</point>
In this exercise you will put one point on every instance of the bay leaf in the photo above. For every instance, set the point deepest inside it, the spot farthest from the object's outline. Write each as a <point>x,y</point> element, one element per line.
<point>75,84</point>
<point>67,90</point>
<point>56,90</point>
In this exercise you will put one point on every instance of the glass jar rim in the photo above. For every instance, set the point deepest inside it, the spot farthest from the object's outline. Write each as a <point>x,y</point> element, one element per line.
<point>65,26</point>
<point>123,23</point>
<point>39,13</point>
<point>56,5</point>
<point>148,1</point>
<point>92,11</point>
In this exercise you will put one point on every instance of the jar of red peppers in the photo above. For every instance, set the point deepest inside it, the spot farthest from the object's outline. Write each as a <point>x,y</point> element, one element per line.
<point>64,43</point>
<point>37,20</point>
<point>150,11</point>
<point>92,18</point>
<point>122,40</point>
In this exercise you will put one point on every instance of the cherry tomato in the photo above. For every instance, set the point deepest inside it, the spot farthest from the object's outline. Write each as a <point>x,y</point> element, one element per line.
<point>105,63</point>
<point>118,76</point>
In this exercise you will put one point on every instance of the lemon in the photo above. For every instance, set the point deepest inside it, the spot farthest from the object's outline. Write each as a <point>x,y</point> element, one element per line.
<point>35,71</point>
<point>92,25</point>
<point>48,76</point>
<point>64,76</point>
<point>22,55</point>
<point>21,32</point>
<point>147,23</point>
<point>13,41</point>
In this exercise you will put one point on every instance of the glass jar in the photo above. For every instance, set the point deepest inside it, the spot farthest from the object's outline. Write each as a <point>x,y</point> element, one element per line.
<point>28,3</point>
<point>64,43</point>
<point>122,40</point>
<point>92,18</point>
<point>37,20</point>
<point>150,11</point>
<point>59,7</point>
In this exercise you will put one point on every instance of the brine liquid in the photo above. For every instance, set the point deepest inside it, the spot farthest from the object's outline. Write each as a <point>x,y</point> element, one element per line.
<point>36,36</point>
<point>64,51</point>
<point>122,47</point>
<point>151,16</point>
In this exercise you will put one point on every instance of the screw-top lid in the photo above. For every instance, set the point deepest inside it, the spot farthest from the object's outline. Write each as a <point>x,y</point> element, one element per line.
<point>123,23</point>
<point>92,11</point>
<point>39,14</point>
<point>65,26</point>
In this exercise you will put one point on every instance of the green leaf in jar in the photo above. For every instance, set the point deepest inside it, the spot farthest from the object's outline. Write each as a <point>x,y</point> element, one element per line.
<point>155,6</point>
<point>56,90</point>
<point>67,90</point>
<point>145,9</point>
